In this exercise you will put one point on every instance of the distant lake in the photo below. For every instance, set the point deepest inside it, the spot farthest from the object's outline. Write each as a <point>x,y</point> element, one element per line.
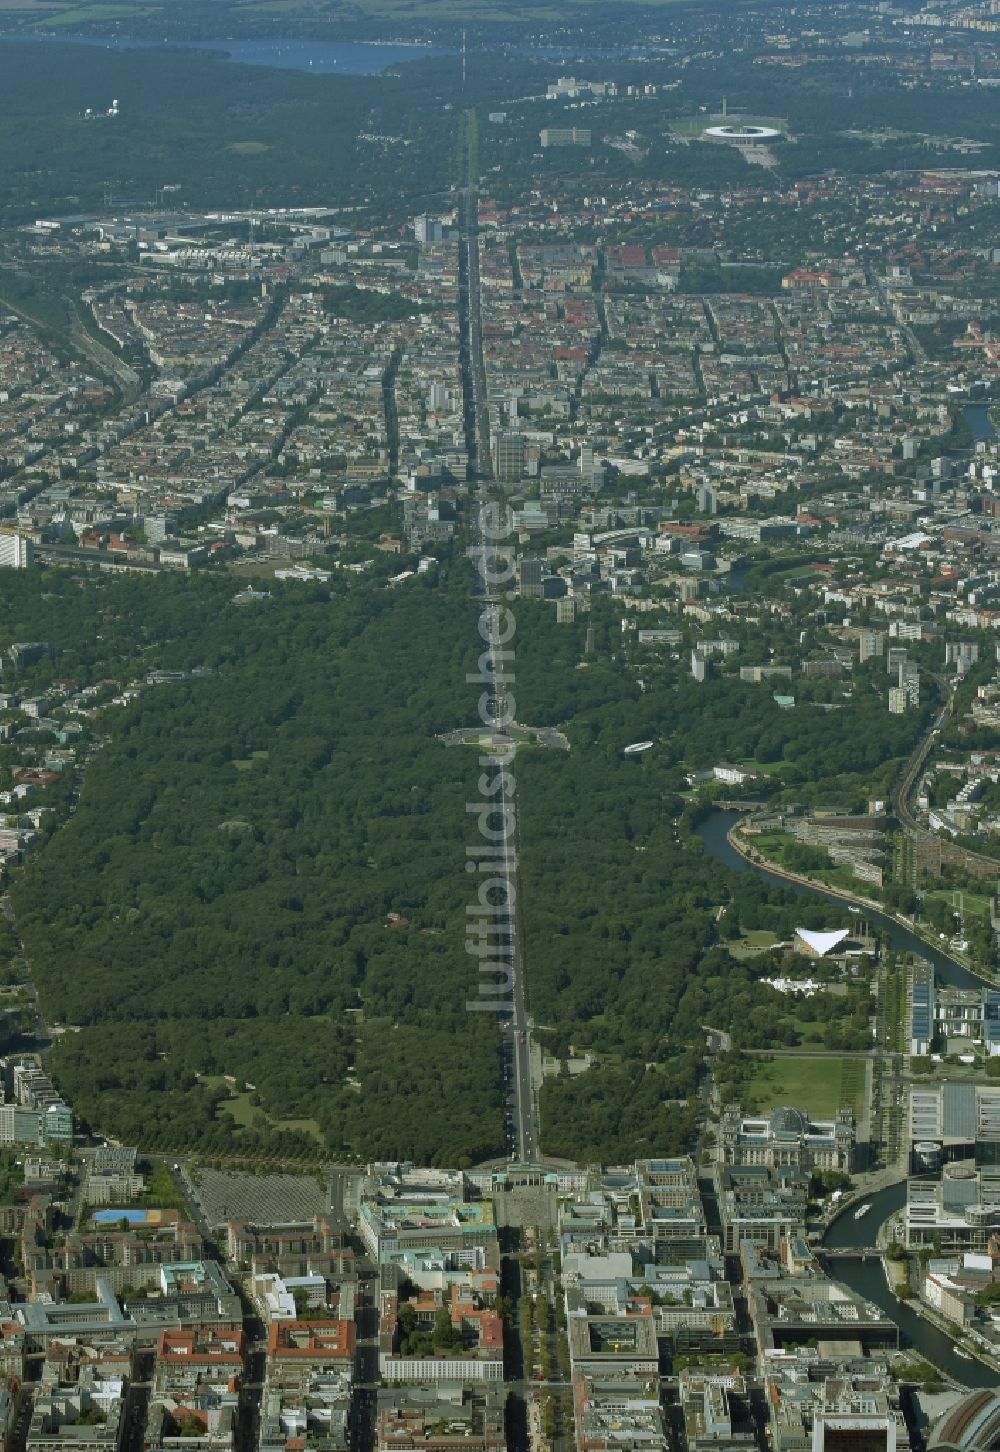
<point>315,57</point>
<point>343,57</point>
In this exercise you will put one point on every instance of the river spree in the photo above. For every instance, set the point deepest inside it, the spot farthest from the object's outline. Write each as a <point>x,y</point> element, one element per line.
<point>977,416</point>
<point>713,832</point>
<point>867,1277</point>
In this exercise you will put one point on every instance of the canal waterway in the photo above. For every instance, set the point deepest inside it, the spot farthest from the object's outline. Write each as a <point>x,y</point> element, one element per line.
<point>977,416</point>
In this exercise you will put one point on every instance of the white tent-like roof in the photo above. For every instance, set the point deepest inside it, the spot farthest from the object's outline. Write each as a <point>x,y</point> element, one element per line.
<point>821,943</point>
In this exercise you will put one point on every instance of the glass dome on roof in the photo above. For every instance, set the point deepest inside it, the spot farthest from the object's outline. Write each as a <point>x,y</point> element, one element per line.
<point>789,1121</point>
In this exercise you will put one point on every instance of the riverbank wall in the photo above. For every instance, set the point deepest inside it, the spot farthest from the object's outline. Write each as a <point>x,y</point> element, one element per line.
<point>853,899</point>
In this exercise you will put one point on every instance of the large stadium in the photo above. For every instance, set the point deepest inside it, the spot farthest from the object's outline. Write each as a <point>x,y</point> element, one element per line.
<point>737,135</point>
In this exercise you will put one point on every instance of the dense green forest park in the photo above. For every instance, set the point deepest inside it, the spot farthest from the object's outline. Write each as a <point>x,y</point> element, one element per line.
<point>264,879</point>
<point>627,924</point>
<point>249,935</point>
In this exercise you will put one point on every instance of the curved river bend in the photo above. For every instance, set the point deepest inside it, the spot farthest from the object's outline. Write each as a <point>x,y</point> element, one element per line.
<point>713,831</point>
<point>867,1277</point>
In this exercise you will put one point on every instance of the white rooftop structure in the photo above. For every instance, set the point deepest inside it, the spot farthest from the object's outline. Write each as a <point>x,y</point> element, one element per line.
<point>819,944</point>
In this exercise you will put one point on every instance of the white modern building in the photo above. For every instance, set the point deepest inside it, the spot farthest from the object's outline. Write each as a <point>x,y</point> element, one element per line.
<point>17,552</point>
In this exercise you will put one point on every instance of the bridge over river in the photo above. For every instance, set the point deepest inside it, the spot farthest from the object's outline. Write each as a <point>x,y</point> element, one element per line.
<point>848,1252</point>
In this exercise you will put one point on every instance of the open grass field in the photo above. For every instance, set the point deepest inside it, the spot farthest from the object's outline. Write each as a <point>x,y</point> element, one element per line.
<point>161,1190</point>
<point>245,1113</point>
<point>820,1086</point>
<point>771,844</point>
<point>760,938</point>
<point>752,943</point>
<point>246,763</point>
<point>969,904</point>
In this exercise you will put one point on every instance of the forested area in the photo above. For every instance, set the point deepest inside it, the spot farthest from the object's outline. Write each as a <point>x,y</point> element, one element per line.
<point>626,955</point>
<point>839,743</point>
<point>108,626</point>
<point>360,305</point>
<point>225,135</point>
<point>245,135</point>
<point>263,879</point>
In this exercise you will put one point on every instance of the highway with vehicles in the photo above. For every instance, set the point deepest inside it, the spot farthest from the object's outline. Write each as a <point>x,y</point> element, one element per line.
<point>519,1098</point>
<point>521,1120</point>
<point>522,1127</point>
<point>477,418</point>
